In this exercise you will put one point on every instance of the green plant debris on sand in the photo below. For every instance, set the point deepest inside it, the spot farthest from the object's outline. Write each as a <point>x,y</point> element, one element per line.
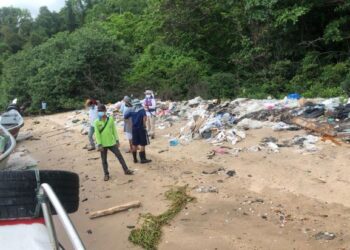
<point>149,235</point>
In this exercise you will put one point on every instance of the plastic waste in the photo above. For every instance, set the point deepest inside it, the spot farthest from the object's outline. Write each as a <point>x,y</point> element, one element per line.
<point>281,126</point>
<point>294,96</point>
<point>273,147</point>
<point>173,142</point>
<point>331,104</point>
<point>209,189</point>
<point>249,124</point>
<point>196,101</point>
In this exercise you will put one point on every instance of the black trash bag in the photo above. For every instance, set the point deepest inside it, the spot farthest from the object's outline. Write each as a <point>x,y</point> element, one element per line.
<point>342,112</point>
<point>314,111</point>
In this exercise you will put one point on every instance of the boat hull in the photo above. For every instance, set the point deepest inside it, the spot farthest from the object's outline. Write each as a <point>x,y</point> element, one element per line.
<point>12,121</point>
<point>15,131</point>
<point>10,146</point>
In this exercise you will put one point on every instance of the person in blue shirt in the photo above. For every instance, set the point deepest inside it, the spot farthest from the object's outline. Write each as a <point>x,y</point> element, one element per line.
<point>139,134</point>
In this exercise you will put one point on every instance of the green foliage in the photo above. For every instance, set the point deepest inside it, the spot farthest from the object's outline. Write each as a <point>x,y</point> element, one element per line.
<point>179,48</point>
<point>67,68</point>
<point>321,81</point>
<point>346,85</point>
<point>291,15</point>
<point>333,32</point>
<point>223,85</point>
<point>167,69</point>
<point>104,8</point>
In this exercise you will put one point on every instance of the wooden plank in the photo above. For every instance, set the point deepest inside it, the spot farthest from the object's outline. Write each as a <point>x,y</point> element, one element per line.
<point>323,129</point>
<point>116,209</point>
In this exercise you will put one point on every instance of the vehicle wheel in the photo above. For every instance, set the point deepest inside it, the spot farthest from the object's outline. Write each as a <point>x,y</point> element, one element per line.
<point>18,192</point>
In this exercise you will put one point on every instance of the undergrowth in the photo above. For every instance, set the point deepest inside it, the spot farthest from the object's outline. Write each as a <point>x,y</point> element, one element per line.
<point>150,232</point>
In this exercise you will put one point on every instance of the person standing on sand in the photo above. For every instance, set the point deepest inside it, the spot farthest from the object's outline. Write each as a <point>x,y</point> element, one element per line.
<point>124,109</point>
<point>107,139</point>
<point>149,103</point>
<point>139,134</point>
<point>91,104</point>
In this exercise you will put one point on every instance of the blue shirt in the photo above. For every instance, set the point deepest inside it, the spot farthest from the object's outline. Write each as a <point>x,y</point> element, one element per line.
<point>136,118</point>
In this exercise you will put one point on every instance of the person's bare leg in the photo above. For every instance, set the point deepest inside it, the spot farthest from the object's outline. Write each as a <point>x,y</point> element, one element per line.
<point>130,144</point>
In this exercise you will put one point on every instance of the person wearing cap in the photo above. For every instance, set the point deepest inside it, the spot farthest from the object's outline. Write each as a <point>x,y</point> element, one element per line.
<point>107,139</point>
<point>139,134</point>
<point>92,106</point>
<point>149,103</point>
<point>126,107</point>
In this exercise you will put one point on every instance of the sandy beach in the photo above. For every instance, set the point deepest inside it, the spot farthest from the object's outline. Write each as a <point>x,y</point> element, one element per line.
<point>274,201</point>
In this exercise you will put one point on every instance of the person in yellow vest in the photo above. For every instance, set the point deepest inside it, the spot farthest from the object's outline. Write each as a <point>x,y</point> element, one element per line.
<point>107,139</point>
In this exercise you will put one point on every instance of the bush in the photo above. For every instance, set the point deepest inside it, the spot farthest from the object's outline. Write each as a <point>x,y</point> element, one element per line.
<point>223,85</point>
<point>67,69</point>
<point>168,70</point>
<point>346,85</point>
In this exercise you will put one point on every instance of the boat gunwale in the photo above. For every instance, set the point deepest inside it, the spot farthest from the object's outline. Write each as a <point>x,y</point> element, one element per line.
<point>8,151</point>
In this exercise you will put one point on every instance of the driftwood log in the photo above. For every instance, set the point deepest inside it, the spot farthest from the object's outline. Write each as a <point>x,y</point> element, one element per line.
<point>323,129</point>
<point>116,209</point>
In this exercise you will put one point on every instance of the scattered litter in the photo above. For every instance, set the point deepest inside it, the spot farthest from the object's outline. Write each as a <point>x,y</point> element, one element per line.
<point>231,173</point>
<point>281,126</point>
<point>173,142</point>
<point>187,172</point>
<point>162,151</point>
<point>250,124</point>
<point>75,121</point>
<point>220,151</point>
<point>269,139</point>
<point>306,143</point>
<point>93,158</point>
<point>213,172</point>
<point>211,154</point>
<point>209,189</point>
<point>272,147</point>
<point>324,236</point>
<point>257,200</point>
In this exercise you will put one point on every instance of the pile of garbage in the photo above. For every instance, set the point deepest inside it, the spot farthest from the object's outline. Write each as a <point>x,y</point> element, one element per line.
<point>219,121</point>
<point>226,121</point>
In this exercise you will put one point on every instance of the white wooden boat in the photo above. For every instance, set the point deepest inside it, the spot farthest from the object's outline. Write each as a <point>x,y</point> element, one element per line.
<point>9,147</point>
<point>12,121</point>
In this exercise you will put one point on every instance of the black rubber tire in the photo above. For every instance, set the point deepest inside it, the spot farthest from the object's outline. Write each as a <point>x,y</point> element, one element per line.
<point>18,192</point>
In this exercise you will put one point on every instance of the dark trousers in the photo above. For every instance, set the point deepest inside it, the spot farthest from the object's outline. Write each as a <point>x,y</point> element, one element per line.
<point>115,150</point>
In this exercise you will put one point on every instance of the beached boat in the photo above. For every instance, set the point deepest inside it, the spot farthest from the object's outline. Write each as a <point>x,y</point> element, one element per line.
<point>9,144</point>
<point>12,120</point>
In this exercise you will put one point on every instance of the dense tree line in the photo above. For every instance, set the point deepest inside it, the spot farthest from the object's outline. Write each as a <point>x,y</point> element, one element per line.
<point>180,48</point>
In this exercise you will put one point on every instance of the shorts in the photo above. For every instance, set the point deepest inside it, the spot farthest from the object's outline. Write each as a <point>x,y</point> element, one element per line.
<point>140,137</point>
<point>128,135</point>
